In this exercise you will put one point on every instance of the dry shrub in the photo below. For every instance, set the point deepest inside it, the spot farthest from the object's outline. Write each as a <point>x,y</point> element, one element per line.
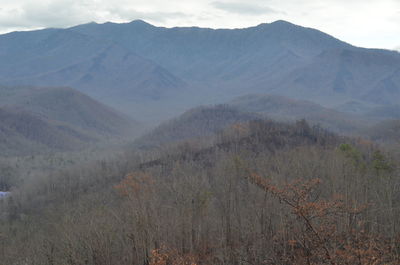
<point>317,234</point>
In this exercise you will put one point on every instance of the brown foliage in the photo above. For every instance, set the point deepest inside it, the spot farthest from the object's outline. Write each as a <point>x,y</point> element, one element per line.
<point>135,183</point>
<point>168,256</point>
<point>315,234</point>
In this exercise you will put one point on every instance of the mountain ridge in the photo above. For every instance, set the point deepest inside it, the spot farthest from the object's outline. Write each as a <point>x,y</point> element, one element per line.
<point>157,71</point>
<point>34,119</point>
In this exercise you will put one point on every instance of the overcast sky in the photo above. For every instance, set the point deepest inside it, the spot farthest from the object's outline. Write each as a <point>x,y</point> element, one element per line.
<point>367,23</point>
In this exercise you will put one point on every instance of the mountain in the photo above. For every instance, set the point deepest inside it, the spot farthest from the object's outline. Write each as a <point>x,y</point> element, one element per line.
<point>57,118</point>
<point>342,74</point>
<point>22,133</point>
<point>386,132</point>
<point>280,58</point>
<point>68,106</point>
<point>216,55</point>
<point>157,72</point>
<point>287,109</point>
<point>385,112</point>
<point>100,68</point>
<point>195,123</point>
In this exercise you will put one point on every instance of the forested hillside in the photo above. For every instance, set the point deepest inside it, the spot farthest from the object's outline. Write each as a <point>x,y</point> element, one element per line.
<point>287,109</point>
<point>38,120</point>
<point>24,133</point>
<point>261,193</point>
<point>194,124</point>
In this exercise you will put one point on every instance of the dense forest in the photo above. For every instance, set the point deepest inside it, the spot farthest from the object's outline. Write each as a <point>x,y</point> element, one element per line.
<point>255,192</point>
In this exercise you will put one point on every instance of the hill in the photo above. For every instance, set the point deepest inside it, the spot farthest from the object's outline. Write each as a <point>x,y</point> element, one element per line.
<point>195,123</point>
<point>272,193</point>
<point>386,132</point>
<point>22,133</point>
<point>57,118</point>
<point>286,109</point>
<point>69,106</point>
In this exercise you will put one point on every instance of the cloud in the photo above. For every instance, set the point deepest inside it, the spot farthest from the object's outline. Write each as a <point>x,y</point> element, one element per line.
<point>244,8</point>
<point>38,14</point>
<point>128,14</point>
<point>33,14</point>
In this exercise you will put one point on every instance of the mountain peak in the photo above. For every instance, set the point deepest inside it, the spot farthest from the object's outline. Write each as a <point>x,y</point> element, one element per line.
<point>282,22</point>
<point>140,22</point>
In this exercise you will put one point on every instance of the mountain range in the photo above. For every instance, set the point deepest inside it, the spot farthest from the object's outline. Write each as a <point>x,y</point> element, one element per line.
<point>155,72</point>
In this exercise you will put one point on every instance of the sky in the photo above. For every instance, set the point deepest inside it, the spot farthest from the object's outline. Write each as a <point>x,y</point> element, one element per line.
<point>365,23</point>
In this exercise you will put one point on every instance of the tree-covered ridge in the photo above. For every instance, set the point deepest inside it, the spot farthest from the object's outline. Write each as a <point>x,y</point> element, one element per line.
<point>261,193</point>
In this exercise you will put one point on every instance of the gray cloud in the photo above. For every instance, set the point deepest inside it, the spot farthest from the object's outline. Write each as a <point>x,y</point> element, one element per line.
<point>32,14</point>
<point>244,8</point>
<point>37,14</point>
<point>158,16</point>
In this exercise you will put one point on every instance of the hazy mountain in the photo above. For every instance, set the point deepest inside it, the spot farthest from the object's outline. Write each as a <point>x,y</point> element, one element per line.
<point>286,109</point>
<point>194,123</point>
<point>69,106</point>
<point>38,119</point>
<point>217,55</point>
<point>387,132</point>
<point>104,70</point>
<point>156,72</point>
<point>342,74</point>
<point>385,112</point>
<point>22,133</point>
<point>280,57</point>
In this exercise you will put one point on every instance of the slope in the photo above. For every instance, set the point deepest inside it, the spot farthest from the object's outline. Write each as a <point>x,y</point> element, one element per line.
<point>195,123</point>
<point>279,58</point>
<point>68,106</point>
<point>198,54</point>
<point>22,133</point>
<point>287,109</point>
<point>343,74</point>
<point>104,70</point>
<point>158,71</point>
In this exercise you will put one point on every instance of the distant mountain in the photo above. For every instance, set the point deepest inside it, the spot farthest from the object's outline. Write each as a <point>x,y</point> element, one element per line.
<point>156,72</point>
<point>385,112</point>
<point>386,132</point>
<point>286,109</point>
<point>22,133</point>
<point>100,68</point>
<point>195,123</point>
<point>217,55</point>
<point>68,106</point>
<point>342,74</point>
<point>280,57</point>
<point>34,120</point>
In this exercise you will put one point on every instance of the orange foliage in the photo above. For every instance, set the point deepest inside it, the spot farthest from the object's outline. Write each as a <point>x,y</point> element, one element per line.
<point>240,128</point>
<point>315,237</point>
<point>168,256</point>
<point>135,183</point>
